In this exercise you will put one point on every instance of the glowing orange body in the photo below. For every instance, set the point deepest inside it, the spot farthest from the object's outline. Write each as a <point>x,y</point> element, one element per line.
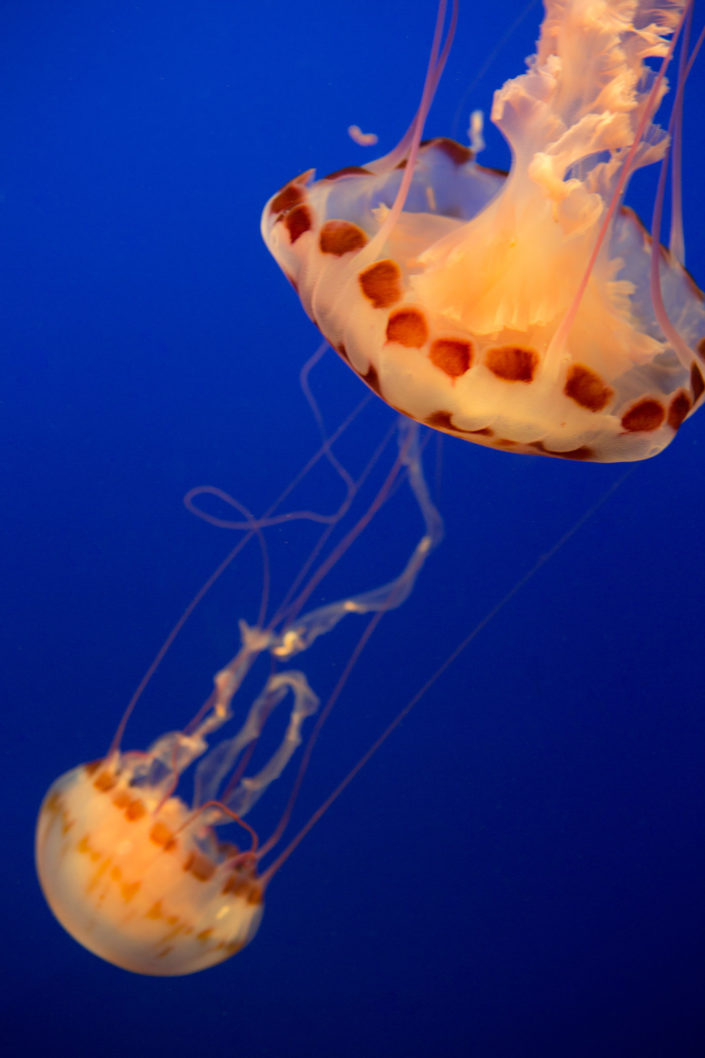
<point>138,889</point>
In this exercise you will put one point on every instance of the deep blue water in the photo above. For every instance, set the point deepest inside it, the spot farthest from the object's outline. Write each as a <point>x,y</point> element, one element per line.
<point>520,871</point>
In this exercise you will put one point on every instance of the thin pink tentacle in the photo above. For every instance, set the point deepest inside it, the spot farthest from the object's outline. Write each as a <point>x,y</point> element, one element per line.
<point>434,72</point>
<point>251,528</point>
<point>433,75</point>
<point>676,242</point>
<point>682,349</point>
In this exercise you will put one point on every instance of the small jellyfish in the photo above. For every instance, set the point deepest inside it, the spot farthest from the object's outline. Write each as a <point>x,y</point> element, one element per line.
<point>142,879</point>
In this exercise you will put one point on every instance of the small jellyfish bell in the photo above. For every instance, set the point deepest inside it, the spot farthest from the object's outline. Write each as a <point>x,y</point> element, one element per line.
<point>136,877</point>
<point>529,311</point>
<point>134,874</point>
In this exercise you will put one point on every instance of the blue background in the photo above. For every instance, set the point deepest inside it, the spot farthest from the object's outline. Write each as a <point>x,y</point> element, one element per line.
<point>520,870</point>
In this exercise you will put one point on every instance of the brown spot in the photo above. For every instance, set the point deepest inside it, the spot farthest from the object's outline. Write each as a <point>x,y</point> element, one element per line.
<point>441,420</point>
<point>161,835</point>
<point>235,884</point>
<point>135,809</point>
<point>381,283</point>
<point>583,453</point>
<point>586,388</point>
<point>647,415</point>
<point>254,894</point>
<point>494,170</point>
<point>205,934</point>
<point>340,237</point>
<point>104,781</point>
<point>298,221</point>
<point>451,355</point>
<point>372,379</point>
<point>349,170</point>
<point>121,799</point>
<point>165,951</point>
<point>129,890</point>
<point>454,150</point>
<point>407,327</point>
<point>287,198</point>
<point>678,409</point>
<point>696,382</point>
<point>226,849</point>
<point>92,768</point>
<point>199,866</point>
<point>512,363</point>
<point>155,911</point>
<point>700,348</point>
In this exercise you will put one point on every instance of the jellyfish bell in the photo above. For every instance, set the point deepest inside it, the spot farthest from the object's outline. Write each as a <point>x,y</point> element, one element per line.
<point>526,311</point>
<point>140,880</point>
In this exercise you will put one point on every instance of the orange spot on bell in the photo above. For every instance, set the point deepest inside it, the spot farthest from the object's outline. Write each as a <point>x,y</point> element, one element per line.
<point>645,416</point>
<point>200,866</point>
<point>678,409</point>
<point>381,283</point>
<point>135,810</point>
<point>584,453</point>
<point>512,363</point>
<point>129,890</point>
<point>287,198</point>
<point>372,379</point>
<point>586,388</point>
<point>121,798</point>
<point>349,170</point>
<point>297,222</point>
<point>339,237</point>
<point>104,781</point>
<point>451,355</point>
<point>457,152</point>
<point>407,327</point>
<point>161,835</point>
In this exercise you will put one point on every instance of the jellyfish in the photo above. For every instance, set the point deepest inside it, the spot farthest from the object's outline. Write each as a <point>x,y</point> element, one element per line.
<point>526,311</point>
<point>132,872</point>
<point>529,312</point>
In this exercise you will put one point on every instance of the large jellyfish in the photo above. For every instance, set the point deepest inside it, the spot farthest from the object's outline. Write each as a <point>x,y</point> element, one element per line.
<point>525,311</point>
